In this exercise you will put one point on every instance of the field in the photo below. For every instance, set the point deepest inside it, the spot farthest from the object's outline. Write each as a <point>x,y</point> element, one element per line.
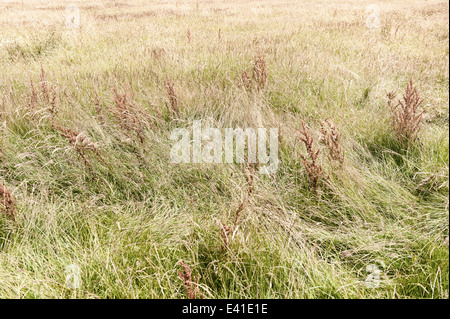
<point>91,205</point>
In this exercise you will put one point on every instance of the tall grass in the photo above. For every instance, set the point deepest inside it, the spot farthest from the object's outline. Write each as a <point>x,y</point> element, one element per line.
<point>85,122</point>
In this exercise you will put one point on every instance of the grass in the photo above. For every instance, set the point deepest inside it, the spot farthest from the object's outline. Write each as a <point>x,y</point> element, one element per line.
<point>85,166</point>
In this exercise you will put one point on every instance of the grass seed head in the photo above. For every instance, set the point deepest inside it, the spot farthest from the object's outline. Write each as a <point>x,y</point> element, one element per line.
<point>407,115</point>
<point>225,233</point>
<point>131,117</point>
<point>313,168</point>
<point>246,81</point>
<point>330,136</point>
<point>188,35</point>
<point>260,71</point>
<point>80,142</point>
<point>173,99</point>
<point>190,285</point>
<point>7,201</point>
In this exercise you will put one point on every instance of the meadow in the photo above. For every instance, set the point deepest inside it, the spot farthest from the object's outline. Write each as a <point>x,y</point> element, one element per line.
<point>92,207</point>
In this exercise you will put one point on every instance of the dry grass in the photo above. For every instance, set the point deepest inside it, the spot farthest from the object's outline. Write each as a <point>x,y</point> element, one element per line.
<point>232,64</point>
<point>45,97</point>
<point>259,76</point>
<point>188,35</point>
<point>81,143</point>
<point>8,202</point>
<point>190,285</point>
<point>249,170</point>
<point>132,118</point>
<point>246,81</point>
<point>225,234</point>
<point>173,99</point>
<point>260,73</point>
<point>331,137</point>
<point>310,161</point>
<point>407,114</point>
<point>49,93</point>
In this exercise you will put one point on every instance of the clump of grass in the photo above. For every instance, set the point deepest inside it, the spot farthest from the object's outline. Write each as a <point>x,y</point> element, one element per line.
<point>7,201</point>
<point>131,117</point>
<point>46,96</point>
<point>80,142</point>
<point>288,244</point>
<point>190,285</point>
<point>260,73</point>
<point>39,45</point>
<point>330,136</point>
<point>313,168</point>
<point>225,233</point>
<point>48,93</point>
<point>249,174</point>
<point>33,101</point>
<point>246,81</point>
<point>407,114</point>
<point>434,181</point>
<point>188,35</point>
<point>173,99</point>
<point>249,171</point>
<point>98,107</point>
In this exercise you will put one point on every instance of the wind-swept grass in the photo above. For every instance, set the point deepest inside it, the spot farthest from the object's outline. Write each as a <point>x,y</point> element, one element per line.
<point>85,122</point>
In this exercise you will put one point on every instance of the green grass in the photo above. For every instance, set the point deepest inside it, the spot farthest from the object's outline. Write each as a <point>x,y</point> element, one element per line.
<point>128,222</point>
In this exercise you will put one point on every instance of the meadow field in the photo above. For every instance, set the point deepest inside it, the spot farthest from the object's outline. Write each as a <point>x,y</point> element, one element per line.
<point>91,205</point>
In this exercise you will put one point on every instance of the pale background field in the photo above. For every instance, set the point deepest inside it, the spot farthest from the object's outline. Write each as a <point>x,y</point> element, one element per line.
<point>127,224</point>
